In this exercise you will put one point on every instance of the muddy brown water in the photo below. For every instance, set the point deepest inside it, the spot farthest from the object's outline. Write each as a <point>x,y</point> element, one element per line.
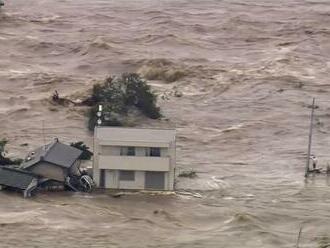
<point>252,68</point>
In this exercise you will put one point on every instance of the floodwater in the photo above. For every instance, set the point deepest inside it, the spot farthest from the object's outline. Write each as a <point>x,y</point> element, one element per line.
<point>251,69</point>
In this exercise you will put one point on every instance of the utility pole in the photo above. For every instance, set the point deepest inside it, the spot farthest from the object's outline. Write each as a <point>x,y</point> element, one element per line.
<point>299,235</point>
<point>310,139</point>
<point>43,132</point>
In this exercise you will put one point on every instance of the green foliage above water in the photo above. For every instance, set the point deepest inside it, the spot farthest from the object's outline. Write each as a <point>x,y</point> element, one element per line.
<point>118,95</point>
<point>87,154</point>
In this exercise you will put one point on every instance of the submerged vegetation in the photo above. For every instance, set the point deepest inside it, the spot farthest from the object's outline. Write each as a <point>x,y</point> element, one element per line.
<point>189,174</point>
<point>160,73</point>
<point>118,96</point>
<point>162,69</point>
<point>87,154</point>
<point>323,242</point>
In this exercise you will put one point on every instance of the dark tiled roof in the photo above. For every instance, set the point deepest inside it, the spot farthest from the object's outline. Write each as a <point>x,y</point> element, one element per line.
<point>16,178</point>
<point>56,153</point>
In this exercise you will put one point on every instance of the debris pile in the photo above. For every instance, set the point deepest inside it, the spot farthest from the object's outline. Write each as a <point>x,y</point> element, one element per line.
<point>52,165</point>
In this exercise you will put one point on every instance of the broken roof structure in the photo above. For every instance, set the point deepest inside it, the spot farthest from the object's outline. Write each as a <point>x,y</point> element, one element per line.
<point>55,161</point>
<point>19,179</point>
<point>52,163</point>
<point>55,153</point>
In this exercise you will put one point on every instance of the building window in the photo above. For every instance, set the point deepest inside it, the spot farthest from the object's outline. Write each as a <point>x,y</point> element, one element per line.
<point>126,175</point>
<point>154,152</point>
<point>127,151</point>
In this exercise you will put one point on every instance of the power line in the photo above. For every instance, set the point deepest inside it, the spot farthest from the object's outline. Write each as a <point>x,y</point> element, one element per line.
<point>43,131</point>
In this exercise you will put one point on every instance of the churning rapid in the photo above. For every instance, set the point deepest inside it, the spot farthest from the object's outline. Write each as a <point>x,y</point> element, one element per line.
<point>247,71</point>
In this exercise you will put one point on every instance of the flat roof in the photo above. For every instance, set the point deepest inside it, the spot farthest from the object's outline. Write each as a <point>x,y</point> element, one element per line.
<point>126,134</point>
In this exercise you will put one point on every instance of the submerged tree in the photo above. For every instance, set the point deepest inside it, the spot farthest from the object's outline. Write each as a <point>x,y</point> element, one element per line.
<point>118,95</point>
<point>87,154</point>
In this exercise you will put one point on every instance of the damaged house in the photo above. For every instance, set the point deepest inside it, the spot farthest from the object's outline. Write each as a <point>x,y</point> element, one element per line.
<point>19,179</point>
<point>52,164</point>
<point>55,161</point>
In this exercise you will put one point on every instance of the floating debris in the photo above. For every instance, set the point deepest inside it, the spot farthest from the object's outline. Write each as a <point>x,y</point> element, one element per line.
<point>189,174</point>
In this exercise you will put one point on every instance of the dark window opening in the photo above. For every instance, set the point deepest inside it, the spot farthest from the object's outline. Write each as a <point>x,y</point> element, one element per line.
<point>155,152</point>
<point>130,151</point>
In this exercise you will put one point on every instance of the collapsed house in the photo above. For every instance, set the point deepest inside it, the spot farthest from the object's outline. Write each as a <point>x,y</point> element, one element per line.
<point>52,165</point>
<point>55,161</point>
<point>19,179</point>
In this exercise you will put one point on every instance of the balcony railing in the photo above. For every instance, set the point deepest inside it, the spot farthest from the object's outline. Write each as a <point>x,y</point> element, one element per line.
<point>134,163</point>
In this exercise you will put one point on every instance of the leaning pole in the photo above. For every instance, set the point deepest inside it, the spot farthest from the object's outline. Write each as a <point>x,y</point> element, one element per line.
<point>310,139</point>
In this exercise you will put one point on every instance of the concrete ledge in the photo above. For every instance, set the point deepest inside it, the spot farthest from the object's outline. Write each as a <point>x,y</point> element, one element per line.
<point>134,163</point>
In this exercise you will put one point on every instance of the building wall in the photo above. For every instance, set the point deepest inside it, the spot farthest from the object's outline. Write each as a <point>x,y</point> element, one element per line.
<point>96,170</point>
<point>138,183</point>
<point>164,152</point>
<point>107,157</point>
<point>171,174</point>
<point>74,170</point>
<point>48,170</point>
<point>112,180</point>
<point>134,163</point>
<point>110,150</point>
<point>140,151</point>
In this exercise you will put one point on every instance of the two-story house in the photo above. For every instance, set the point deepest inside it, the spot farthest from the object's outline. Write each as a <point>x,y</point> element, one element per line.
<point>134,158</point>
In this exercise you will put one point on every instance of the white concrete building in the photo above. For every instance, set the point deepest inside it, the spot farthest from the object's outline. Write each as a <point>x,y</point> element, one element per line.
<point>134,158</point>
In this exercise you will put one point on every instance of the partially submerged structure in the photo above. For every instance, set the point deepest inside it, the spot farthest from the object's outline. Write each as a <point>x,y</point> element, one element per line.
<point>55,161</point>
<point>310,157</point>
<point>19,179</point>
<point>134,158</point>
<point>124,158</point>
<point>54,164</point>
